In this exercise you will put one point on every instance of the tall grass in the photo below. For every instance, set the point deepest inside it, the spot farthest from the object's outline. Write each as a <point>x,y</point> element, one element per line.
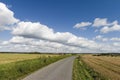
<point>16,70</point>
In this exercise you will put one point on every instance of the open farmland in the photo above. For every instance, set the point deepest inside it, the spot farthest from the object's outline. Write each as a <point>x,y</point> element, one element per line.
<point>9,57</point>
<point>107,66</point>
<point>17,66</point>
<point>81,71</point>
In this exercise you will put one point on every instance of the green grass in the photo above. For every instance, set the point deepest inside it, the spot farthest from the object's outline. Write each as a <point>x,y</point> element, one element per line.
<point>82,71</point>
<point>16,70</point>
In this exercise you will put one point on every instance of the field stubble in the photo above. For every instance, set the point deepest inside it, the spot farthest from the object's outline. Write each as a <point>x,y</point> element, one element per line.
<point>105,65</point>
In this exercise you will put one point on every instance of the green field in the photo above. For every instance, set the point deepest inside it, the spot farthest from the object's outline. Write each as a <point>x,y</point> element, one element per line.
<point>17,66</point>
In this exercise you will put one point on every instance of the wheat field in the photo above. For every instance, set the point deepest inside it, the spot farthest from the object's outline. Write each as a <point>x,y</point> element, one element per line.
<point>107,66</point>
<point>7,58</point>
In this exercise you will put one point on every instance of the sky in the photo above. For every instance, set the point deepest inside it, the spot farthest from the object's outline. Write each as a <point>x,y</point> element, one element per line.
<point>69,26</point>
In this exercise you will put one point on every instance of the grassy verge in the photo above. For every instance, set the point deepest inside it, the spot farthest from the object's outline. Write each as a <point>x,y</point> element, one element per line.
<point>16,70</point>
<point>82,71</point>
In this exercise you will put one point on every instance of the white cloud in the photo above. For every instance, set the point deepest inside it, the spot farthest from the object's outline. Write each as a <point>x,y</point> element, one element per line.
<point>6,17</point>
<point>20,40</point>
<point>100,38</point>
<point>46,46</point>
<point>115,39</point>
<point>117,44</point>
<point>102,24</point>
<point>18,43</point>
<point>33,42</point>
<point>98,22</point>
<point>34,36</point>
<point>35,30</point>
<point>38,36</point>
<point>106,27</point>
<point>82,24</point>
<point>113,27</point>
<point>39,31</point>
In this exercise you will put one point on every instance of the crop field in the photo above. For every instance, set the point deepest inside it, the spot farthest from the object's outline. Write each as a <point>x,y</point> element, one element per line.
<point>7,58</point>
<point>82,71</point>
<point>106,66</point>
<point>17,66</point>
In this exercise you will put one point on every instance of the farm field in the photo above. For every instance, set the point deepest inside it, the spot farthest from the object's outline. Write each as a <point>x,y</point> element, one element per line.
<point>17,66</point>
<point>106,66</point>
<point>9,57</point>
<point>81,71</point>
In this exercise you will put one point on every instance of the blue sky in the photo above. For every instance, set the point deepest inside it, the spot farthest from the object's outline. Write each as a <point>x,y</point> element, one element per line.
<point>63,16</point>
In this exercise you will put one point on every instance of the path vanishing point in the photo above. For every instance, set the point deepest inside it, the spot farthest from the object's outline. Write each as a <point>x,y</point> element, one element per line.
<point>60,70</point>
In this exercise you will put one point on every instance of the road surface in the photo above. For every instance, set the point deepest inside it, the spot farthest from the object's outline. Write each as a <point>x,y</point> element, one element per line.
<point>60,70</point>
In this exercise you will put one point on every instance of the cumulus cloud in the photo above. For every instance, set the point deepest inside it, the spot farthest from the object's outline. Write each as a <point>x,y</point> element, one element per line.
<point>18,43</point>
<point>82,24</point>
<point>41,37</point>
<point>98,22</point>
<point>36,30</point>
<point>106,27</point>
<point>28,44</point>
<point>6,17</point>
<point>100,38</point>
<point>34,36</point>
<point>102,24</point>
<point>113,27</point>
<point>20,40</point>
<point>39,31</point>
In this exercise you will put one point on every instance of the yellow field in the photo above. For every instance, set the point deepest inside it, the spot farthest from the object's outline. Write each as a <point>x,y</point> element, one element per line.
<point>105,65</point>
<point>7,58</point>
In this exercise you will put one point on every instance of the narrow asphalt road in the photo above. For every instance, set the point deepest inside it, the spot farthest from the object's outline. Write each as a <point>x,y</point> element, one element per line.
<point>60,70</point>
